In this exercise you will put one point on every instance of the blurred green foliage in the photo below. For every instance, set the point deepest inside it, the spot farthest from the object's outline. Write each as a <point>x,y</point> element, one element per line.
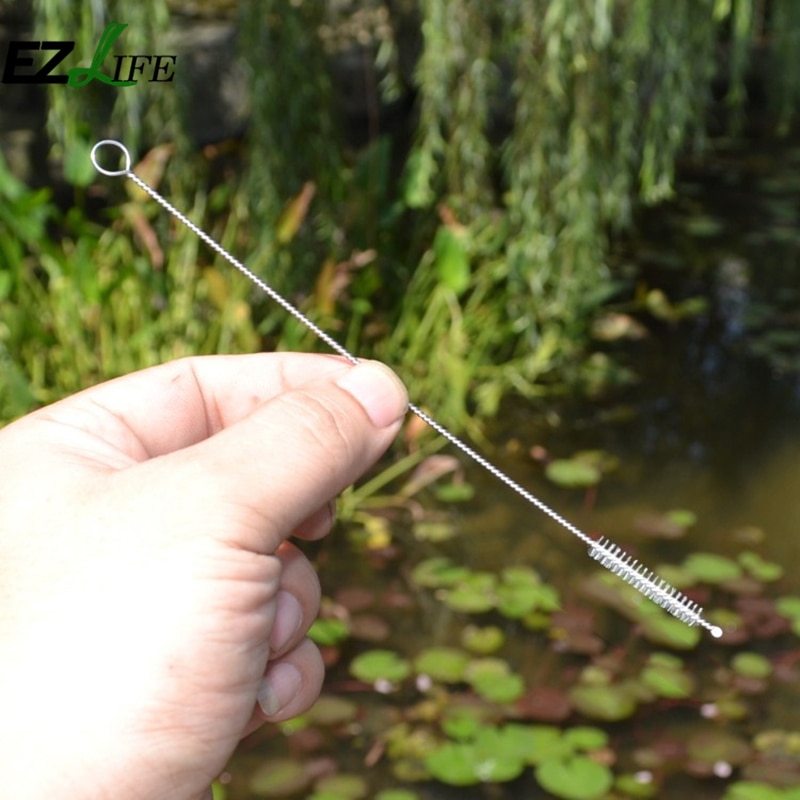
<point>465,244</point>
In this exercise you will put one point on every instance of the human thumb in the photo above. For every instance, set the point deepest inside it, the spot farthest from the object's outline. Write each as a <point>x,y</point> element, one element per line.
<point>298,450</point>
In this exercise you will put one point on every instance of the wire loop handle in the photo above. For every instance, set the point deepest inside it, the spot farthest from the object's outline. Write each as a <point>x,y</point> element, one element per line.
<point>605,552</point>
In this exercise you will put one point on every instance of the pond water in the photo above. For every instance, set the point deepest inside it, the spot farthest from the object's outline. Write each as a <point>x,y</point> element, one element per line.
<point>711,425</point>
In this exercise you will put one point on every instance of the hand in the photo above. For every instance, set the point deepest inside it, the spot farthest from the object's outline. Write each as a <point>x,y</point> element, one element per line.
<point>151,610</point>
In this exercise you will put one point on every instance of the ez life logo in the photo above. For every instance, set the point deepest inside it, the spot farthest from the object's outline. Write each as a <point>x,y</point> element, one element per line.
<point>163,66</point>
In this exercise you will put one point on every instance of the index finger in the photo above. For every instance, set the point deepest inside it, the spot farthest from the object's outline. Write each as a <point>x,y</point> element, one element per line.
<point>175,405</point>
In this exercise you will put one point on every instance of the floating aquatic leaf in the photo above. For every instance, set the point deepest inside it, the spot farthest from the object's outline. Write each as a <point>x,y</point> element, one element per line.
<point>280,777</point>
<point>576,778</point>
<point>728,620</point>
<point>454,764</point>
<point>515,601</point>
<point>331,710</point>
<point>434,531</point>
<point>455,492</point>
<point>726,709</point>
<point>584,737</point>
<point>665,676</point>
<point>377,665</point>
<point>661,628</point>
<point>639,785</point>
<point>495,761</point>
<point>676,575</point>
<point>669,525</point>
<point>538,743</point>
<point>396,794</point>
<point>438,571</point>
<point>445,664</point>
<point>520,574</point>
<point>761,570</point>
<point>751,665</point>
<point>521,592</point>
<point>482,641</point>
<point>342,785</point>
<point>709,748</point>
<point>788,606</point>
<point>328,632</point>
<point>682,517</point>
<point>754,790</point>
<point>572,473</point>
<point>474,594</point>
<point>462,723</point>
<point>493,680</point>
<point>703,226</point>
<point>609,703</point>
<point>712,568</point>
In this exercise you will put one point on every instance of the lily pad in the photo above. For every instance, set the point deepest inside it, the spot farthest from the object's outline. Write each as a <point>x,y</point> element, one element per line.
<point>280,777</point>
<point>474,594</point>
<point>435,572</point>
<point>789,607</point>
<point>444,664</point>
<point>609,703</point>
<point>328,632</point>
<point>493,680</point>
<point>462,723</point>
<point>482,641</point>
<point>709,749</point>
<point>666,677</point>
<point>572,473</point>
<point>753,790</point>
<point>396,794</point>
<point>663,629</point>
<point>669,525</point>
<point>713,568</point>
<point>751,665</point>
<point>639,785</point>
<point>434,531</point>
<point>455,492</point>
<point>495,760</point>
<point>343,785</point>
<point>377,665</point>
<point>453,764</point>
<point>539,743</point>
<point>584,737</point>
<point>515,601</point>
<point>576,778</point>
<point>761,570</point>
<point>331,709</point>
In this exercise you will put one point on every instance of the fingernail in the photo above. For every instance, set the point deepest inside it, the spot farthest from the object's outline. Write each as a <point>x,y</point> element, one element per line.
<point>378,390</point>
<point>279,687</point>
<point>288,617</point>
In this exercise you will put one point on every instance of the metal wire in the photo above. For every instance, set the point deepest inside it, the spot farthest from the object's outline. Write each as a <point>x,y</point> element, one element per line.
<point>606,553</point>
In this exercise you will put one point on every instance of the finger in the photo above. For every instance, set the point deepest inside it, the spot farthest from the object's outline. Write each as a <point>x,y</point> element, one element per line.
<point>177,404</point>
<point>317,525</point>
<point>291,685</point>
<point>292,453</point>
<point>297,600</point>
